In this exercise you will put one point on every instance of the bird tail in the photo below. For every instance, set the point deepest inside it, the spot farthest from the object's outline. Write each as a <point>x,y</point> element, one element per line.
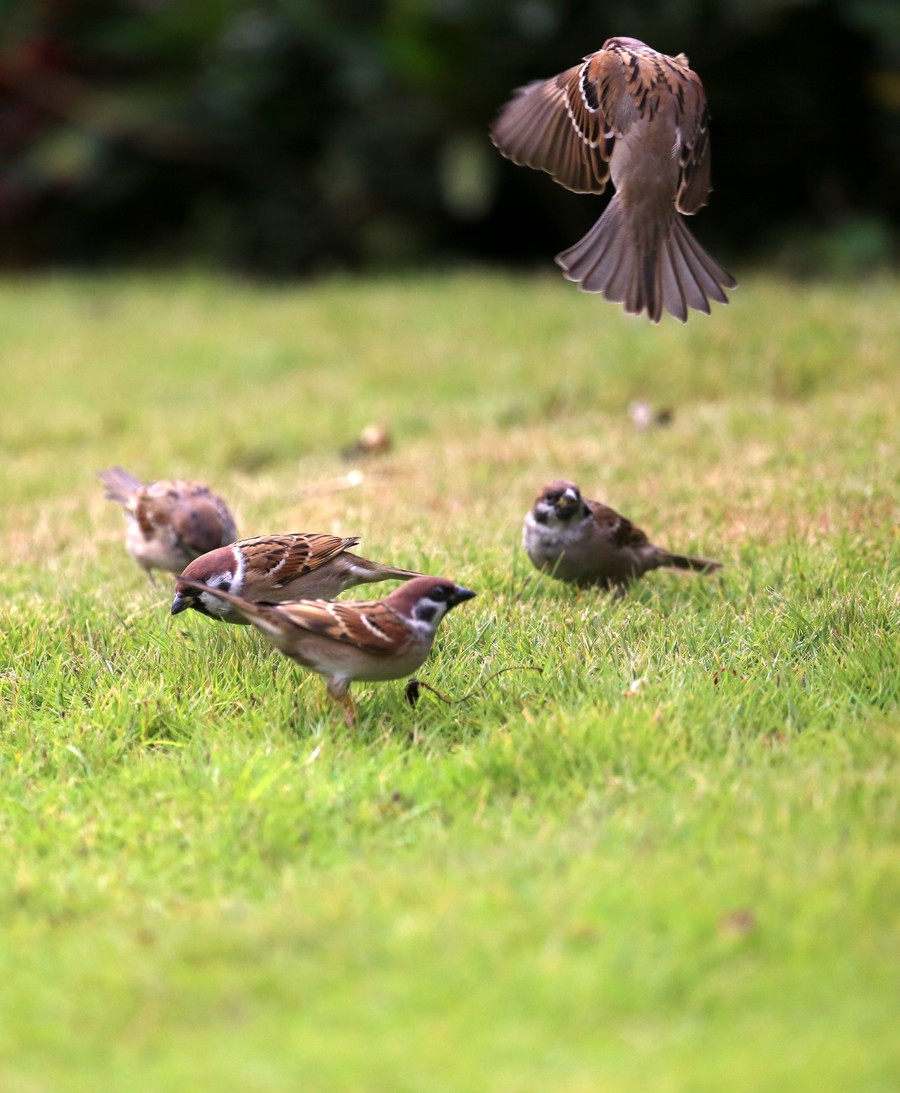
<point>120,485</point>
<point>393,573</point>
<point>367,572</point>
<point>683,561</point>
<point>671,273</point>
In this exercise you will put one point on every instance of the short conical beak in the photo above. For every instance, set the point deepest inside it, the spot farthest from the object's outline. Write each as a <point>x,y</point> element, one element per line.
<point>180,603</point>
<point>462,594</point>
<point>568,500</point>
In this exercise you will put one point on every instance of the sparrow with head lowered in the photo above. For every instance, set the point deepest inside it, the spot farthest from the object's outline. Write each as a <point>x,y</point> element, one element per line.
<point>275,568</point>
<point>368,640</point>
<point>170,522</point>
<point>587,543</point>
<point>640,117</point>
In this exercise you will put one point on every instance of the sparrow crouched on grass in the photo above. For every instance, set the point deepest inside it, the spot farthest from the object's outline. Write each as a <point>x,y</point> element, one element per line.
<point>587,543</point>
<point>170,522</point>
<point>369,640</point>
<point>275,568</point>
<point>640,117</point>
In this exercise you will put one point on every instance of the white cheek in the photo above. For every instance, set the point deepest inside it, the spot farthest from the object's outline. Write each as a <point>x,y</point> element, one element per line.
<point>213,604</point>
<point>240,568</point>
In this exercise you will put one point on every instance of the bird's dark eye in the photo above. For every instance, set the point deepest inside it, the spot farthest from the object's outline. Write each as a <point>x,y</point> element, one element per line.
<point>438,594</point>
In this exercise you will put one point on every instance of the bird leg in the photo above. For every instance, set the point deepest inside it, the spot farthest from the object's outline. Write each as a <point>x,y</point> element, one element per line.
<point>345,701</point>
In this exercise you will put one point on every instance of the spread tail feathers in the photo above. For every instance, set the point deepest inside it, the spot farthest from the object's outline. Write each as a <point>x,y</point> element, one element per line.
<point>674,276</point>
<point>120,485</point>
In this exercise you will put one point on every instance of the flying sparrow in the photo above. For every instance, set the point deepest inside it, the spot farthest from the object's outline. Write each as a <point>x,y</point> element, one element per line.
<point>589,544</point>
<point>275,568</point>
<point>639,116</point>
<point>170,522</point>
<point>345,641</point>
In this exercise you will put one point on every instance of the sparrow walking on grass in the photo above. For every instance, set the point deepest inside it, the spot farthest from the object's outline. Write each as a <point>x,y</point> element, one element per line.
<point>587,543</point>
<point>170,522</point>
<point>346,641</point>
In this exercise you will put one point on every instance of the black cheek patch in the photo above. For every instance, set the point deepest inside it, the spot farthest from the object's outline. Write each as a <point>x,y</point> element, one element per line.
<point>425,612</point>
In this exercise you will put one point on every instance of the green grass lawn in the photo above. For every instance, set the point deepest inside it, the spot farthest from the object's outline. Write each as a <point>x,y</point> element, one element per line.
<point>667,861</point>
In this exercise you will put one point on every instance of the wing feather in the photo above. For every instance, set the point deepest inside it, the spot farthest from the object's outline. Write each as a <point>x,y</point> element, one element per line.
<point>555,126</point>
<point>284,558</point>
<point>373,627</point>
<point>619,529</point>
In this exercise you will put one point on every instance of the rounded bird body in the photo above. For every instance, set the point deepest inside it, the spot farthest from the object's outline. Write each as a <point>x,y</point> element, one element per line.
<point>639,117</point>
<point>170,522</point>
<point>587,543</point>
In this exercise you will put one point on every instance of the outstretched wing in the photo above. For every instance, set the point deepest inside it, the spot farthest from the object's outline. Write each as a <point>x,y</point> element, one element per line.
<point>562,125</point>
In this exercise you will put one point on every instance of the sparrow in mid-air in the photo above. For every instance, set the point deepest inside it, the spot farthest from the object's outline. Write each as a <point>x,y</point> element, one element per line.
<point>170,522</point>
<point>275,568</point>
<point>346,641</point>
<point>640,117</point>
<point>587,543</point>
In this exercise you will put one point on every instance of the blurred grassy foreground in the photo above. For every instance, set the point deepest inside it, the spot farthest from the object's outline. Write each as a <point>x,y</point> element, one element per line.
<point>669,861</point>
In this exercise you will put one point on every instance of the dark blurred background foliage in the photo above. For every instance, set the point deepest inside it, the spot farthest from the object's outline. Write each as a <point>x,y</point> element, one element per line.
<point>292,137</point>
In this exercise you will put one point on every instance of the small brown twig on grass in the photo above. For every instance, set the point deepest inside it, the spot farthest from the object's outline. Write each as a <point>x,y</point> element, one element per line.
<point>413,685</point>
